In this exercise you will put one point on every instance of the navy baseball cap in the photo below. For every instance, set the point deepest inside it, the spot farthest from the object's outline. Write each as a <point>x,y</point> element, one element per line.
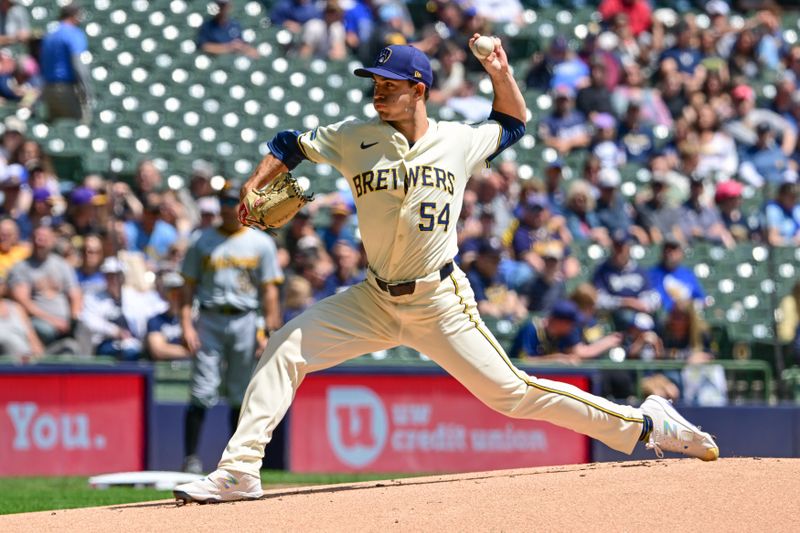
<point>400,62</point>
<point>565,310</point>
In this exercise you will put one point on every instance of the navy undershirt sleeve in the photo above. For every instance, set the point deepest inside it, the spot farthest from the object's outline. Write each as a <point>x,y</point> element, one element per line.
<point>513,130</point>
<point>284,146</point>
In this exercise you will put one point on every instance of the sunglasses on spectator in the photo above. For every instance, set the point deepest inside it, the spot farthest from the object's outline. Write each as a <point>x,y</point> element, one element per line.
<point>229,202</point>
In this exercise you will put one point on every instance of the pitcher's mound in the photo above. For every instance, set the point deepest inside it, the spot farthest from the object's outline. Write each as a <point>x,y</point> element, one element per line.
<point>669,495</point>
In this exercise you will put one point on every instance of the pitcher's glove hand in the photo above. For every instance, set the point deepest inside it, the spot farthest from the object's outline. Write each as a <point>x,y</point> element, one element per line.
<point>274,205</point>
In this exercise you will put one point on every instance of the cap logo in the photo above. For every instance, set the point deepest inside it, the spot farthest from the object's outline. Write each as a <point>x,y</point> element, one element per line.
<point>384,56</point>
<point>417,74</point>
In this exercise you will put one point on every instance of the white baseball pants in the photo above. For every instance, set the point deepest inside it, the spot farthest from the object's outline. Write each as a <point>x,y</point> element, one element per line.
<point>440,320</point>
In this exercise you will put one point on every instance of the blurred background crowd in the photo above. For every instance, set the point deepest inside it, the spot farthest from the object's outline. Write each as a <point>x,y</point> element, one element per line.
<point>660,132</point>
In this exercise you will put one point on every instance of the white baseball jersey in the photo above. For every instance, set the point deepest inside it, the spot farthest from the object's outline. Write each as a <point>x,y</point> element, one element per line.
<point>408,198</point>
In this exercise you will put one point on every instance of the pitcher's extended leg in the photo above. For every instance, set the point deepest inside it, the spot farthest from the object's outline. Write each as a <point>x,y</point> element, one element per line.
<point>460,343</point>
<point>335,329</point>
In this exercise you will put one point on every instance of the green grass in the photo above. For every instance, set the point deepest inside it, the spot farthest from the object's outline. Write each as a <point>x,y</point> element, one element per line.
<point>27,494</point>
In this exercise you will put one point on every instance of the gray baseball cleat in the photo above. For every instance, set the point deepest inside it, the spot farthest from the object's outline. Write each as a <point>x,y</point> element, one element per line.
<point>673,433</point>
<point>220,486</point>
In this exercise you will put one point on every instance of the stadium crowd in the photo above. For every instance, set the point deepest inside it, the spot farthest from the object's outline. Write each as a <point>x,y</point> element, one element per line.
<point>92,267</point>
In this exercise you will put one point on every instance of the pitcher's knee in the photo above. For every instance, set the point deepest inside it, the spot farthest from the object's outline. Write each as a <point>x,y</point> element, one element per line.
<point>283,350</point>
<point>507,402</point>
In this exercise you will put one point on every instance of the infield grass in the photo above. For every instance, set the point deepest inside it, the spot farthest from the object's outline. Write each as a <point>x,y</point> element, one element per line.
<point>27,494</point>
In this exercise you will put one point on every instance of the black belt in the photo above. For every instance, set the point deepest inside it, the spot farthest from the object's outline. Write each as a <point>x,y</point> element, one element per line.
<point>225,309</point>
<point>401,289</point>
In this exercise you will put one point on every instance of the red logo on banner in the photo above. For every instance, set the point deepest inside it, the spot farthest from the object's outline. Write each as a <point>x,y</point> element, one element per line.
<point>408,423</point>
<point>78,424</point>
<point>356,424</point>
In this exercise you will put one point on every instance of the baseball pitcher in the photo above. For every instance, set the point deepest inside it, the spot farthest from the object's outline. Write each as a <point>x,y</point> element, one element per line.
<point>408,174</point>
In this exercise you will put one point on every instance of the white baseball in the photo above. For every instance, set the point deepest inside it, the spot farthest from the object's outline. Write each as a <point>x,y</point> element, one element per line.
<point>483,46</point>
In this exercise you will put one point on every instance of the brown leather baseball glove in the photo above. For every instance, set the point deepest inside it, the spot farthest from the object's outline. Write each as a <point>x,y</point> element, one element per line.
<point>274,205</point>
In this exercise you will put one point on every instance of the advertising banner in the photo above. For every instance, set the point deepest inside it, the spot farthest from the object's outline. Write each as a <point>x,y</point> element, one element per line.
<point>416,423</point>
<point>71,424</point>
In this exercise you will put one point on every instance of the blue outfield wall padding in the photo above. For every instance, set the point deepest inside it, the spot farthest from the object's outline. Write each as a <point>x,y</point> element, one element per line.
<point>741,431</point>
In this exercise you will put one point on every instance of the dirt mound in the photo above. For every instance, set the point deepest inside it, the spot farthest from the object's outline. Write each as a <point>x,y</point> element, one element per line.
<point>669,495</point>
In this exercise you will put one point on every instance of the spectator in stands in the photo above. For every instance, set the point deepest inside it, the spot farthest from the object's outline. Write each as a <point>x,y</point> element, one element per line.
<point>557,338</point>
<point>535,230</point>
<point>14,202</point>
<point>82,211</point>
<point>345,255</point>
<point>298,297</point>
<point>17,337</point>
<point>581,219</point>
<point>782,217</point>
<point>673,280</point>
<point>550,338</point>
<point>623,286</point>
<point>12,251</point>
<point>717,95</point>
<point>295,14</point>
<point>565,129</point>
<point>152,236</point>
<point>15,25</point>
<point>104,317</point>
<point>553,181</point>
<point>90,279</point>
<point>595,97</point>
<point>763,162</point>
<point>21,85</point>
<point>685,55</point>
<point>685,335</point>
<point>542,66</point>
<point>673,94</point>
<point>716,150</point>
<point>290,238</point>
<point>651,109</point>
<point>483,230</point>
<point>634,136</point>
<point>209,212</point>
<point>701,222</point>
<point>655,215</point>
<point>591,328</point>
<point>614,212</point>
<point>13,137</point>
<point>164,340</point>
<point>747,117</point>
<point>548,285</point>
<point>341,227</point>
<point>220,34</point>
<point>604,142</point>
<point>41,212</point>
<point>147,179</point>
<point>68,91</point>
<point>743,61</point>
<point>728,200</point>
<point>640,341</point>
<point>47,289</point>
<point>323,38</point>
<point>637,11</point>
<point>359,24</point>
<point>391,27</point>
<point>494,297</point>
<point>450,78</point>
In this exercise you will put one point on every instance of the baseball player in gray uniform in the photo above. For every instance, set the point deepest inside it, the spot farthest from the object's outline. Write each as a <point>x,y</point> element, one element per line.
<point>231,272</point>
<point>408,174</point>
